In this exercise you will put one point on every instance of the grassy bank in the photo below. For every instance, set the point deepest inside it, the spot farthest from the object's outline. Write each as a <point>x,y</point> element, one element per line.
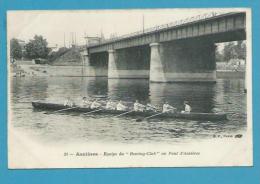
<point>226,74</point>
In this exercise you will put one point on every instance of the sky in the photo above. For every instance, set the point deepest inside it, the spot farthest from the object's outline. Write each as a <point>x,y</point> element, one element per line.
<point>53,25</point>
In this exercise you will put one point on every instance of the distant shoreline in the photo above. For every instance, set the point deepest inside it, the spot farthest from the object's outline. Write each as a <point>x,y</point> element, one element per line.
<point>229,74</point>
<point>49,70</point>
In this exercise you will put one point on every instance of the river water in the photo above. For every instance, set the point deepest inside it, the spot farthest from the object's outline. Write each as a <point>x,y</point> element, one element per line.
<point>59,128</point>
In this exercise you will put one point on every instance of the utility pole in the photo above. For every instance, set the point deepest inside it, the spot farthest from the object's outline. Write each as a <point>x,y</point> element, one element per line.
<point>143,23</point>
<point>72,36</point>
<point>69,42</point>
<point>64,40</point>
<point>70,39</point>
<point>75,38</point>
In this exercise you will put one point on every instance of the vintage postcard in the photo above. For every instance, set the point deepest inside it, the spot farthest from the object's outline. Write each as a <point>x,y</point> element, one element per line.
<point>129,88</point>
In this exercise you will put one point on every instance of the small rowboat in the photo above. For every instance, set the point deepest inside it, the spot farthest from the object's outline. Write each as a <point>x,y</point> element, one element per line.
<point>177,115</point>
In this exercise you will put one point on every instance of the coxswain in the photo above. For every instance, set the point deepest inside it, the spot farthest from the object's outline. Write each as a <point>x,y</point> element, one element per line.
<point>187,107</point>
<point>121,107</point>
<point>95,104</point>
<point>150,107</point>
<point>139,107</point>
<point>68,102</point>
<point>168,108</point>
<point>110,105</point>
<point>86,102</point>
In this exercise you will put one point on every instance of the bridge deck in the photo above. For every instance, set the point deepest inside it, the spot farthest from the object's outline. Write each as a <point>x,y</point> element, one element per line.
<point>219,28</point>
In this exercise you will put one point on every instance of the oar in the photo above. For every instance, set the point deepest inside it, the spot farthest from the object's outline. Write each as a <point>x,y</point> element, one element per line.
<point>92,111</point>
<point>139,120</point>
<point>62,110</point>
<point>123,113</point>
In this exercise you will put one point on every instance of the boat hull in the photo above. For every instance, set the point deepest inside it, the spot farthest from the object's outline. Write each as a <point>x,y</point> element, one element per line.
<point>191,116</point>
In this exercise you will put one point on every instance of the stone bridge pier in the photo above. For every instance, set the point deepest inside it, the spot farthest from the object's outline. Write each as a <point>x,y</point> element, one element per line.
<point>95,65</point>
<point>128,63</point>
<point>183,61</point>
<point>181,52</point>
<point>190,60</point>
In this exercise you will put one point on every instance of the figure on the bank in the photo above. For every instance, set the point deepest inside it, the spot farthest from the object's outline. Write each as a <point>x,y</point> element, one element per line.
<point>187,107</point>
<point>139,107</point>
<point>217,110</point>
<point>168,108</point>
<point>121,107</point>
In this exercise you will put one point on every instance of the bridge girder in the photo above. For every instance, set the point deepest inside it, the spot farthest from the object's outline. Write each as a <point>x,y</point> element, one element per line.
<point>227,27</point>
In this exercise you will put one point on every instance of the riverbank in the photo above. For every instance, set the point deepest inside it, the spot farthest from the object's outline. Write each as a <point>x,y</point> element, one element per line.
<point>47,70</point>
<point>228,74</point>
<point>78,71</point>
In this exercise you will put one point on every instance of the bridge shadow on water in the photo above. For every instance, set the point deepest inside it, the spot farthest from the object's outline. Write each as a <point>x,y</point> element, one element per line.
<point>200,95</point>
<point>203,97</point>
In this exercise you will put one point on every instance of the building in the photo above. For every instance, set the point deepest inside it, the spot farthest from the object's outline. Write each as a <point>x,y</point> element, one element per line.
<point>92,40</point>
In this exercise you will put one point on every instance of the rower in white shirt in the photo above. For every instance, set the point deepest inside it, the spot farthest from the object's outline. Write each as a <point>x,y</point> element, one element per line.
<point>86,102</point>
<point>168,108</point>
<point>150,107</point>
<point>121,107</point>
<point>68,102</point>
<point>95,104</point>
<point>110,105</point>
<point>139,107</point>
<point>187,107</point>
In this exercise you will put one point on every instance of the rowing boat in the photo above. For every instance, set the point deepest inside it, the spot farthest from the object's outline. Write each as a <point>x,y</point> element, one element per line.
<point>178,115</point>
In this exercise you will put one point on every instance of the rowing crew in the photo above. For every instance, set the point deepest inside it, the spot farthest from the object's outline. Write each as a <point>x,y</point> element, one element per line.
<point>138,107</point>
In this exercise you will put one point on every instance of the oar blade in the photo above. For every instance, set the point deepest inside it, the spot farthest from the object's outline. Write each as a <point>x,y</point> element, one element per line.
<point>139,120</point>
<point>123,114</point>
<point>61,110</point>
<point>92,111</point>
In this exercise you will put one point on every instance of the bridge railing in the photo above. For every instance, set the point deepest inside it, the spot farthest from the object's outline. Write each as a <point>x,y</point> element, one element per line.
<point>161,27</point>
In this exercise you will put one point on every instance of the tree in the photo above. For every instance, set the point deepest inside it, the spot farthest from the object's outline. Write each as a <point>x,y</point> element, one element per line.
<point>232,50</point>
<point>229,51</point>
<point>219,56</point>
<point>241,50</point>
<point>37,48</point>
<point>15,49</point>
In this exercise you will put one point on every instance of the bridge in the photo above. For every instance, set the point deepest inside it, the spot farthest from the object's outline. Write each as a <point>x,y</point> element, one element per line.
<point>174,52</point>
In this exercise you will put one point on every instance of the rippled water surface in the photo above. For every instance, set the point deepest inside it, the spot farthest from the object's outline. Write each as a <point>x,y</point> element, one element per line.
<point>226,95</point>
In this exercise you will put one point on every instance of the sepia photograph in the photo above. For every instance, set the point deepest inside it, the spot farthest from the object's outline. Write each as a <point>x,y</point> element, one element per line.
<point>129,88</point>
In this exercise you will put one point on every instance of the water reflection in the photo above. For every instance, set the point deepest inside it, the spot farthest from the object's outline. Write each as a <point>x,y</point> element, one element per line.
<point>200,95</point>
<point>35,88</point>
<point>129,90</point>
<point>225,94</point>
<point>94,86</point>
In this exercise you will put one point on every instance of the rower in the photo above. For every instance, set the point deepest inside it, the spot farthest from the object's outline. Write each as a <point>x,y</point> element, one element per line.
<point>168,108</point>
<point>110,105</point>
<point>86,102</point>
<point>150,107</point>
<point>68,102</point>
<point>138,107</point>
<point>187,107</point>
<point>121,107</point>
<point>95,104</point>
